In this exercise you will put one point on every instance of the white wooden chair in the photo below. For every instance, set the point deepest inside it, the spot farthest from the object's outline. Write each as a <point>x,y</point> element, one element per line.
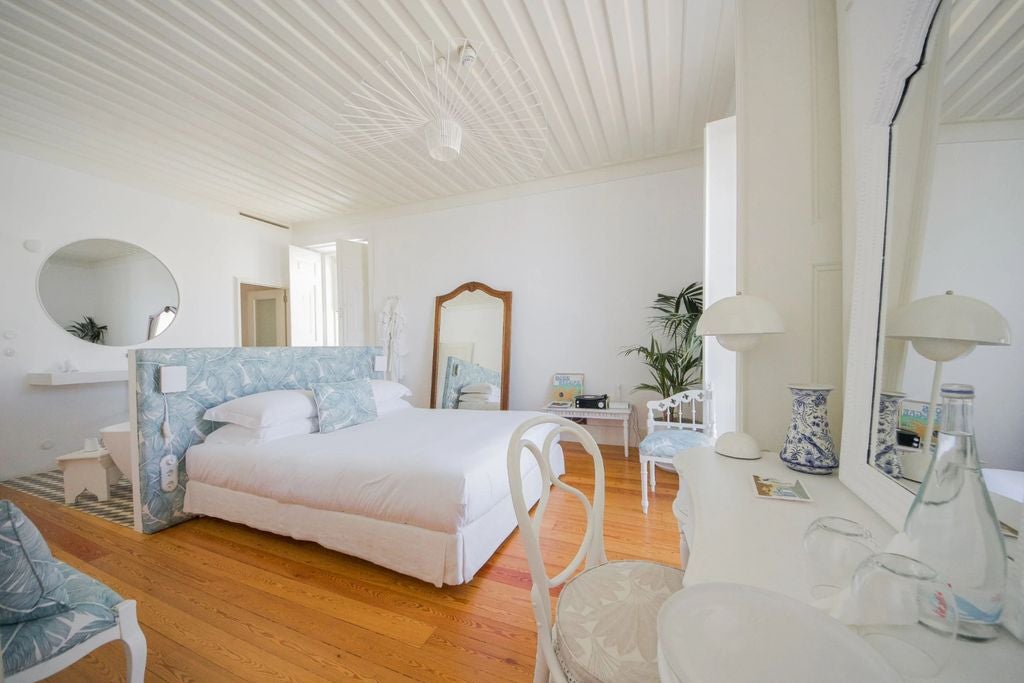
<point>605,628</point>
<point>675,431</point>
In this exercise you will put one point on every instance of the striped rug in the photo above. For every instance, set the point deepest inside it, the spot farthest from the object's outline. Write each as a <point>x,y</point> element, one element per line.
<point>50,486</point>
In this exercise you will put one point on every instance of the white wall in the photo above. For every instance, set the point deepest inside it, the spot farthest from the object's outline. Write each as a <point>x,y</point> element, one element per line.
<point>789,232</point>
<point>583,265</point>
<point>973,245</point>
<point>202,249</point>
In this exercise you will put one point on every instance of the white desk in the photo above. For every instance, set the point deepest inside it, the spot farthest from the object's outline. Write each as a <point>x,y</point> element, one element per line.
<point>620,414</point>
<point>734,536</point>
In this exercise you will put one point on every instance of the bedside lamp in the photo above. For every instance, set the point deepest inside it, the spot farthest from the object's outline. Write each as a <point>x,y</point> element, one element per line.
<point>738,322</point>
<point>943,328</point>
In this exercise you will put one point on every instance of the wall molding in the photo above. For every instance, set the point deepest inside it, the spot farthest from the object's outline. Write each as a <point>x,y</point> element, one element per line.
<point>345,226</point>
<point>981,131</point>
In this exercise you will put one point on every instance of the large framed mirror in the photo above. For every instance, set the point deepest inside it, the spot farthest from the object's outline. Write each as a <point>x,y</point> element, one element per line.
<point>108,292</point>
<point>940,191</point>
<point>956,195</point>
<point>472,338</point>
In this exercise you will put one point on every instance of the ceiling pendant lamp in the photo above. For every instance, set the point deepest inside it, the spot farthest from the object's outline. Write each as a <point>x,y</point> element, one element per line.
<point>449,102</point>
<point>444,139</point>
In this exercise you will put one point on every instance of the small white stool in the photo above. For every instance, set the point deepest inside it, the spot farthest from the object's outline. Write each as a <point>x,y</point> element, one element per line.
<point>92,470</point>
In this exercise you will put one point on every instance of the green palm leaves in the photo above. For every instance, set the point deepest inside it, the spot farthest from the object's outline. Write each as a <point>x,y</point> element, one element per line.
<point>676,360</point>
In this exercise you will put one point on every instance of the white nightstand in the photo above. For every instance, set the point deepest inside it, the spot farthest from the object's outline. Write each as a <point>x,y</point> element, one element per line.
<point>93,470</point>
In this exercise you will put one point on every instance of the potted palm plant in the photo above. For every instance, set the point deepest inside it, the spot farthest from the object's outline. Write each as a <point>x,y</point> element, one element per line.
<point>88,329</point>
<point>676,359</point>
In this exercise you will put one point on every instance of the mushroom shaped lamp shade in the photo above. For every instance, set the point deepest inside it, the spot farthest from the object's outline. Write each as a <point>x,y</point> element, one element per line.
<point>945,327</point>
<point>738,323</point>
<point>948,326</point>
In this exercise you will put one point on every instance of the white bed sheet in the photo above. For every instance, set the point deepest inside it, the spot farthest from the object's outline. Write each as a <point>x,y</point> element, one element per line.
<point>435,469</point>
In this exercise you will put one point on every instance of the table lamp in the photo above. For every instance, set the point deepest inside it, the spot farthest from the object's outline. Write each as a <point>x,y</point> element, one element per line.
<point>738,322</point>
<point>945,327</point>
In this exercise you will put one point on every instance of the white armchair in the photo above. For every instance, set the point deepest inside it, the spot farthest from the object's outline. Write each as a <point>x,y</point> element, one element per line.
<point>672,427</point>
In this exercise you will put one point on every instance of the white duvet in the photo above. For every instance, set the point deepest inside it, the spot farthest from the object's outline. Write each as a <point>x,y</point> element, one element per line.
<point>436,469</point>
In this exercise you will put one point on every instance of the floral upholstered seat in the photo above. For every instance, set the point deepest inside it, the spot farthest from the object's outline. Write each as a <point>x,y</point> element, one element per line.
<point>89,610</point>
<point>607,621</point>
<point>51,614</point>
<point>665,444</point>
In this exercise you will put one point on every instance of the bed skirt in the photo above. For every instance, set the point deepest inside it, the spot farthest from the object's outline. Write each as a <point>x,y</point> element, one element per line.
<point>434,556</point>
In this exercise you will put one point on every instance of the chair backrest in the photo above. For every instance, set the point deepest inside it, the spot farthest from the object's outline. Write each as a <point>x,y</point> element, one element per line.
<point>678,411</point>
<point>592,545</point>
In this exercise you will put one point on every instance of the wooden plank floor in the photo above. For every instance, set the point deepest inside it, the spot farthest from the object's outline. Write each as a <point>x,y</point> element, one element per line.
<point>221,602</point>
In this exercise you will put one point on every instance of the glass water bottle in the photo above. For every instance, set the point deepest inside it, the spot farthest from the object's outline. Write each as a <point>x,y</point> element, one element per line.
<point>952,525</point>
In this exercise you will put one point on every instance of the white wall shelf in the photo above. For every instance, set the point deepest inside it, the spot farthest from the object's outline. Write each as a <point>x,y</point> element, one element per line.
<point>54,379</point>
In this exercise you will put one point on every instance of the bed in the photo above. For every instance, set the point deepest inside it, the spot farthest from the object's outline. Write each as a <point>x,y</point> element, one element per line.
<point>422,492</point>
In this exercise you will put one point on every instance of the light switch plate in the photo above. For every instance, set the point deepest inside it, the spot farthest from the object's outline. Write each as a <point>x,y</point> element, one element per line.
<point>380,363</point>
<point>173,378</point>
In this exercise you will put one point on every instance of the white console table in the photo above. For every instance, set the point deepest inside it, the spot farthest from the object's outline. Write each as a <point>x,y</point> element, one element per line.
<point>728,534</point>
<point>619,414</point>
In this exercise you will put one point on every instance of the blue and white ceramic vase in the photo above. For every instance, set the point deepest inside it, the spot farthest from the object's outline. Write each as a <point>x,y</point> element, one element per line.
<point>809,446</point>
<point>886,457</point>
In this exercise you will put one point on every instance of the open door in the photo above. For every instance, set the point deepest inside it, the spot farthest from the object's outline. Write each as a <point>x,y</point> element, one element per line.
<point>264,318</point>
<point>306,306</point>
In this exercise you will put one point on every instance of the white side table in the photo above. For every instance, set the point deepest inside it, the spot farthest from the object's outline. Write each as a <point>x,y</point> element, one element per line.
<point>620,414</point>
<point>93,470</point>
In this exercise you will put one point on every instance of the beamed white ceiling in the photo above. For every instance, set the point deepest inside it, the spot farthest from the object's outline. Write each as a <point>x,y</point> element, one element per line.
<point>235,102</point>
<point>985,63</point>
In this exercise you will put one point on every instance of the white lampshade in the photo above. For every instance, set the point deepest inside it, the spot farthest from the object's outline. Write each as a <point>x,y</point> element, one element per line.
<point>739,321</point>
<point>947,326</point>
<point>444,139</point>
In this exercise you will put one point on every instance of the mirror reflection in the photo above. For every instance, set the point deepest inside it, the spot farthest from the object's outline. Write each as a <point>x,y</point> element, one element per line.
<point>956,195</point>
<point>108,292</point>
<point>471,343</point>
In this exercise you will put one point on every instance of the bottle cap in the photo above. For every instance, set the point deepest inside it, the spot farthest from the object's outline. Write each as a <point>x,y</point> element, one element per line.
<point>957,391</point>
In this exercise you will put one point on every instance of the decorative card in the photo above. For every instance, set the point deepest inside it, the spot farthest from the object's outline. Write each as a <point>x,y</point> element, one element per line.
<point>914,417</point>
<point>566,386</point>
<point>776,489</point>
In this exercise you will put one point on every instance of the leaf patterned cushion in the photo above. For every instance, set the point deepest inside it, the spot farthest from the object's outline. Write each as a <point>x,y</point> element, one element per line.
<point>344,404</point>
<point>37,640</point>
<point>606,621</point>
<point>31,586</point>
<point>666,443</point>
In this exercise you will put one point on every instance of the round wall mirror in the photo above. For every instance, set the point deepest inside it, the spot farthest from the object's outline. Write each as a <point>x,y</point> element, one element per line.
<point>108,292</point>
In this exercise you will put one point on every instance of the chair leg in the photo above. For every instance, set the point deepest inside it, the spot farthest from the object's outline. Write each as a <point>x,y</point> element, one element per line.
<point>654,475</point>
<point>541,674</point>
<point>643,483</point>
<point>134,641</point>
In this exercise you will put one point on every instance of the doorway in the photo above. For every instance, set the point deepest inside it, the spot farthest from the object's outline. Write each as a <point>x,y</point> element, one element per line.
<point>264,315</point>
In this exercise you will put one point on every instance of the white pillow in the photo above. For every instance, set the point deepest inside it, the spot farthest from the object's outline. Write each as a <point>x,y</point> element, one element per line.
<point>383,390</point>
<point>265,409</point>
<point>237,435</point>
<point>392,406</point>
<point>483,388</point>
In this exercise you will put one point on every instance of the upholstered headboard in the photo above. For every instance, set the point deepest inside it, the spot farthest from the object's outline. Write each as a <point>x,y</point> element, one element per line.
<point>213,376</point>
<point>459,373</point>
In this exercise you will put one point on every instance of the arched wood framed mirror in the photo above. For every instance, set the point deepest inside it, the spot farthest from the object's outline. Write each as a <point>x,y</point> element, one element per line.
<point>472,339</point>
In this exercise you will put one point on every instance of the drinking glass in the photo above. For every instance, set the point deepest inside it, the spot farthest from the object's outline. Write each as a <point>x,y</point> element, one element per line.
<point>833,549</point>
<point>903,609</point>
